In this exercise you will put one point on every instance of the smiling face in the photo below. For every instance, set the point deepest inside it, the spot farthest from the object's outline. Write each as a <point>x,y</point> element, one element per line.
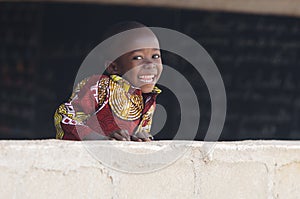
<point>141,67</point>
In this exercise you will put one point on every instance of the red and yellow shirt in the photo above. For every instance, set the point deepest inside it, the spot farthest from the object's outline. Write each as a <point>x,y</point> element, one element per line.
<point>102,104</point>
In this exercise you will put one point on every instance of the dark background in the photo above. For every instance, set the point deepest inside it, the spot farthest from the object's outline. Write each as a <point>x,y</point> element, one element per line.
<point>43,44</point>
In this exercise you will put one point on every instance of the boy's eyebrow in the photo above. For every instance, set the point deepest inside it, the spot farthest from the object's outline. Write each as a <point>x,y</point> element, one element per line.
<point>137,50</point>
<point>155,49</point>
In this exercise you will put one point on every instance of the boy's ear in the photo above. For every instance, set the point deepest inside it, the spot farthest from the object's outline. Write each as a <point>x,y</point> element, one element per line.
<point>111,68</point>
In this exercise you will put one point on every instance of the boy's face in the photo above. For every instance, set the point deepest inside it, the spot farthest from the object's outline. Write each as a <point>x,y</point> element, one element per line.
<point>141,67</point>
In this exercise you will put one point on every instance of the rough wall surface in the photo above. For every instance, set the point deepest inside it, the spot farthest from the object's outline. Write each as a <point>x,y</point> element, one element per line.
<point>66,169</point>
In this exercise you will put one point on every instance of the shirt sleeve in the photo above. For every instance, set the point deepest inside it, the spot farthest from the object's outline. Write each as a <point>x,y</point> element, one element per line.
<point>146,121</point>
<point>70,117</point>
<point>69,125</point>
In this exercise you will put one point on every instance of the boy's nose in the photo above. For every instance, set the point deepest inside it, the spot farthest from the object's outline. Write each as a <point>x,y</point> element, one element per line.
<point>147,61</point>
<point>149,65</point>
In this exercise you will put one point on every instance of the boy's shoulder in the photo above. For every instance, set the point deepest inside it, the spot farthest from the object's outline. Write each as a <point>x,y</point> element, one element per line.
<point>89,83</point>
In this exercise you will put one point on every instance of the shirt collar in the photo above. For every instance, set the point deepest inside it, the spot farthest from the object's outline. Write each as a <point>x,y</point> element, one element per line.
<point>128,87</point>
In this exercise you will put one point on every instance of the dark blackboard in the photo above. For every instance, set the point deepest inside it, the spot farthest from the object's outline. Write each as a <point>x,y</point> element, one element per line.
<point>42,46</point>
<point>257,57</point>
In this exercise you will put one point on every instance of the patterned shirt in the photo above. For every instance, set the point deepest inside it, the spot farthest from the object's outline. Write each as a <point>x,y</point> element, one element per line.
<point>102,104</point>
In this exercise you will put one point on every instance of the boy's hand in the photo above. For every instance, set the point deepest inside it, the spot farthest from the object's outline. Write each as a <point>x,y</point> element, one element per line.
<point>121,135</point>
<point>141,137</point>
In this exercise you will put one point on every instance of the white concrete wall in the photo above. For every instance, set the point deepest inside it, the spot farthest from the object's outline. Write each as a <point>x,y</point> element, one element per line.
<point>66,169</point>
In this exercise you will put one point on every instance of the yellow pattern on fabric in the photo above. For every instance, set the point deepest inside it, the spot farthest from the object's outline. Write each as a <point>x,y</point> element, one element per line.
<point>156,90</point>
<point>78,87</point>
<point>146,122</point>
<point>102,90</point>
<point>122,82</point>
<point>57,121</point>
<point>125,105</point>
<point>63,110</point>
<point>126,85</point>
<point>81,116</point>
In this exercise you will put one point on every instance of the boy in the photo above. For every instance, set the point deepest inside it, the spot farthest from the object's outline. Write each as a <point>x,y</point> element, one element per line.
<point>119,104</point>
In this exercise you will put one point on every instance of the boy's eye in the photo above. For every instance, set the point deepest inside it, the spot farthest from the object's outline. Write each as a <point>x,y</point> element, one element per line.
<point>156,56</point>
<point>137,57</point>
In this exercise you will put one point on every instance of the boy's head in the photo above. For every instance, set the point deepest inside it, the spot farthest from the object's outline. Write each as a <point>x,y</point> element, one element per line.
<point>140,63</point>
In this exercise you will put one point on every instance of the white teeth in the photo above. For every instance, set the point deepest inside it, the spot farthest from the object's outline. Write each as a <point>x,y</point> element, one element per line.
<point>146,78</point>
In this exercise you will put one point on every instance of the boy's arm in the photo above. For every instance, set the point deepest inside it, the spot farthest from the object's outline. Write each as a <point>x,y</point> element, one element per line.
<point>143,131</point>
<point>69,127</point>
<point>77,119</point>
<point>69,117</point>
<point>70,124</point>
